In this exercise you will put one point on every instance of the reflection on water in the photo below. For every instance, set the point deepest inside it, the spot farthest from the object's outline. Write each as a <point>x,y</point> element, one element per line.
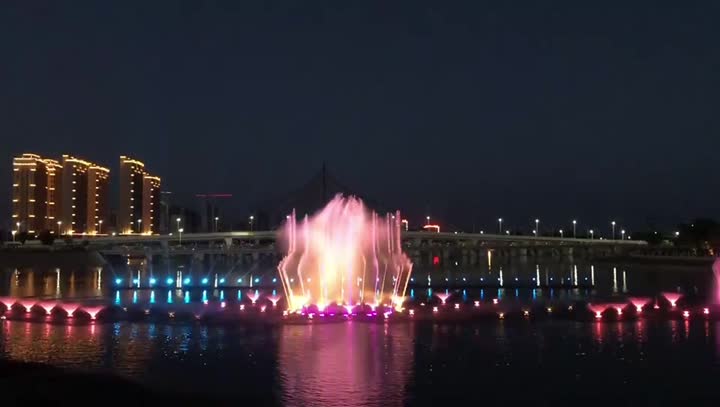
<point>379,364</point>
<point>370,363</point>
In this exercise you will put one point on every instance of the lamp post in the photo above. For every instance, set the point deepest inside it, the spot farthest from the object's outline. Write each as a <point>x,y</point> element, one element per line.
<point>622,234</point>
<point>100,226</point>
<point>18,226</point>
<point>139,222</point>
<point>59,223</point>
<point>427,218</point>
<point>13,234</point>
<point>252,218</point>
<point>592,234</point>
<point>178,223</point>
<point>180,231</point>
<point>500,225</point>
<point>574,229</point>
<point>216,223</point>
<point>561,233</point>
<point>613,229</point>
<point>537,227</point>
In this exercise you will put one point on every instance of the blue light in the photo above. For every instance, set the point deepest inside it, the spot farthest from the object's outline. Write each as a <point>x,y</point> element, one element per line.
<point>152,297</point>
<point>117,297</point>
<point>187,297</point>
<point>205,280</point>
<point>136,281</point>
<point>169,300</point>
<point>118,281</point>
<point>274,280</point>
<point>257,280</point>
<point>222,295</point>
<point>204,297</point>
<point>135,297</point>
<point>222,281</point>
<point>186,281</point>
<point>152,281</point>
<point>239,280</point>
<point>169,281</point>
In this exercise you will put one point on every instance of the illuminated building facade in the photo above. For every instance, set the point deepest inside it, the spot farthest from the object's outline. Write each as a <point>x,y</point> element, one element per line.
<point>139,207</point>
<point>35,194</point>
<point>98,212</point>
<point>151,204</point>
<point>74,195</point>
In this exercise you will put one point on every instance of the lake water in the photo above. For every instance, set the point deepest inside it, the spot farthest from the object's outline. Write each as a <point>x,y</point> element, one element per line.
<point>546,362</point>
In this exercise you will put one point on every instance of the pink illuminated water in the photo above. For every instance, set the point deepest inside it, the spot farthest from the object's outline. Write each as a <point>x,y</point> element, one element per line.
<point>274,299</point>
<point>672,297</point>
<point>92,310</point>
<point>443,297</point>
<point>597,309</point>
<point>639,302</point>
<point>253,295</point>
<point>70,308</point>
<point>344,254</point>
<point>48,306</point>
<point>27,304</point>
<point>7,301</point>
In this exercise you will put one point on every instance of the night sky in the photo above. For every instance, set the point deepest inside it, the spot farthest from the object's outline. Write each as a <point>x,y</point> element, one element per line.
<point>461,110</point>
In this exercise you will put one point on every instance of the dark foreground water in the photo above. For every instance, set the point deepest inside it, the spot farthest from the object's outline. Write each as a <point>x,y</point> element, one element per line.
<point>358,364</point>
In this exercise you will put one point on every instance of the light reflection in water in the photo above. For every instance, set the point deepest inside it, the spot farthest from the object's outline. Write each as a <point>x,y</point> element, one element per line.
<point>370,363</point>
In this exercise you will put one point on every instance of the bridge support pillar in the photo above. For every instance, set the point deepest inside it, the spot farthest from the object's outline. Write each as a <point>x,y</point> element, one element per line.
<point>228,241</point>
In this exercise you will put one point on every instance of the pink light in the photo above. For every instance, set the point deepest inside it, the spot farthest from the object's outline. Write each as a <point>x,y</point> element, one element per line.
<point>706,311</point>
<point>457,306</point>
<point>92,310</point>
<point>686,314</point>
<point>639,302</point>
<point>70,308</point>
<point>262,309</point>
<point>443,297</point>
<point>274,299</point>
<point>495,301</point>
<point>253,295</point>
<point>477,303</point>
<point>242,307</point>
<point>435,309</point>
<point>348,308</point>
<point>223,304</point>
<point>48,306</point>
<point>411,312</point>
<point>597,309</point>
<point>7,301</point>
<point>672,297</point>
<point>343,254</point>
<point>436,228</point>
<point>501,315</point>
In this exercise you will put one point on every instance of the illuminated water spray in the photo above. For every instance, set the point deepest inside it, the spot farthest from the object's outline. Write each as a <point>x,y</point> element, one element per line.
<point>344,254</point>
<point>716,272</point>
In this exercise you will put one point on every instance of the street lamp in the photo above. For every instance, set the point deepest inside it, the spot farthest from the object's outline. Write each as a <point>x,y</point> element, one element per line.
<point>535,232</point>
<point>252,218</point>
<point>18,226</point>
<point>574,228</point>
<point>622,234</point>
<point>139,222</point>
<point>592,234</point>
<point>13,234</point>
<point>677,234</point>
<point>100,226</point>
<point>59,227</point>
<point>500,225</point>
<point>178,223</point>
<point>216,223</point>
<point>561,233</point>
<point>613,229</point>
<point>537,227</point>
<point>180,231</point>
<point>427,218</point>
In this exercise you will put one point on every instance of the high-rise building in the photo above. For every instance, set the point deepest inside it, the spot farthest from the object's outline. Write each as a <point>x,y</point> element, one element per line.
<point>129,210</point>
<point>139,210</point>
<point>35,194</point>
<point>74,193</point>
<point>151,204</point>
<point>98,212</point>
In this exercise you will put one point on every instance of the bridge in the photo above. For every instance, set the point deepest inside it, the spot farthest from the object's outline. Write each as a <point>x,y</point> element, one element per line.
<point>424,248</point>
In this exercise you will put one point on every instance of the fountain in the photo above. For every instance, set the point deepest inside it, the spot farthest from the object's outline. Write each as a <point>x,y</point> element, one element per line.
<point>274,299</point>
<point>343,254</point>
<point>672,298</point>
<point>597,309</point>
<point>253,295</point>
<point>639,302</point>
<point>443,297</point>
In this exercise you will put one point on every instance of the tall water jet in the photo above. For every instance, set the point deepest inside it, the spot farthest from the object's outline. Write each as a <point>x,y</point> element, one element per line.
<point>343,254</point>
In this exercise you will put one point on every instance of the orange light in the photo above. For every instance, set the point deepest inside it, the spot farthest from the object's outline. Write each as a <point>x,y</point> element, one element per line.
<point>435,227</point>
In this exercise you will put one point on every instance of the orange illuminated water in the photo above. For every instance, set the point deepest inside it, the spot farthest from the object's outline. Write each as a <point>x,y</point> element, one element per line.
<point>344,254</point>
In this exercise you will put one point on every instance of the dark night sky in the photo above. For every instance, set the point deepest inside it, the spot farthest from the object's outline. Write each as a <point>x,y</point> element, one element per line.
<point>459,109</point>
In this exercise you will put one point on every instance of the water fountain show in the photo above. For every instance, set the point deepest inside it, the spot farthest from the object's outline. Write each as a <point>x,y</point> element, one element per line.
<point>345,256</point>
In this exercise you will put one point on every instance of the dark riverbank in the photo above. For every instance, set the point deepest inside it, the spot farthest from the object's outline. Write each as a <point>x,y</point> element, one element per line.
<point>32,382</point>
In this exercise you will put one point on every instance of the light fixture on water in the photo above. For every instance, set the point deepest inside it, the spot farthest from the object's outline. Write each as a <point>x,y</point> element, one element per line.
<point>495,301</point>
<point>204,281</point>
<point>118,281</point>
<point>672,298</point>
<point>152,281</point>
<point>187,281</point>
<point>706,311</point>
<point>457,306</point>
<point>169,281</point>
<point>328,254</point>
<point>477,303</point>
<point>435,309</point>
<point>686,314</point>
